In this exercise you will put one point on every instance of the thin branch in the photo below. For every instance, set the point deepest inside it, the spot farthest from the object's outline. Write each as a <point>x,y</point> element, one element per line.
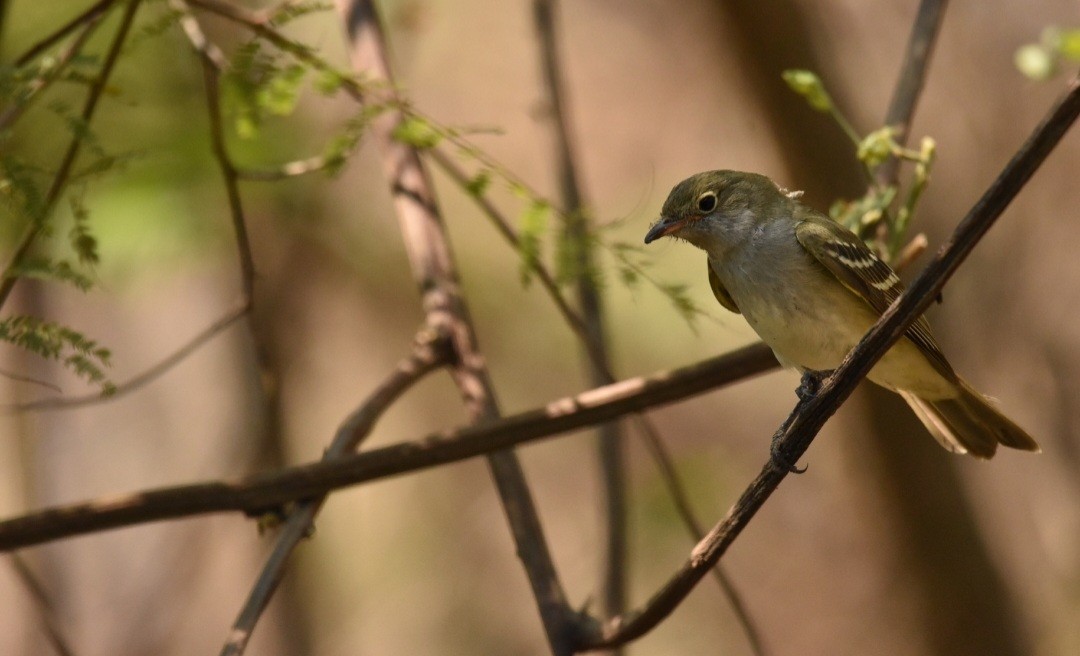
<point>44,606</point>
<point>610,444</point>
<point>685,510</point>
<point>212,82</point>
<point>502,225</point>
<point>37,223</point>
<point>259,493</point>
<point>92,14</point>
<point>146,377</point>
<point>920,46</point>
<point>429,353</point>
<point>799,430</point>
<point>293,169</point>
<point>19,107</point>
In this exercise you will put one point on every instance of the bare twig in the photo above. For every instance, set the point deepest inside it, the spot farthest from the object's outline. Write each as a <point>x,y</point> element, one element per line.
<point>16,109</point>
<point>912,76</point>
<point>428,354</point>
<point>37,223</point>
<point>610,446</point>
<point>91,14</point>
<point>43,605</point>
<point>291,169</point>
<point>211,78</point>
<point>255,494</point>
<point>686,512</point>
<point>799,430</point>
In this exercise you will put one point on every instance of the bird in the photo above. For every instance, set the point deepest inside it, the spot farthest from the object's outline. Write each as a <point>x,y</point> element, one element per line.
<point>811,288</point>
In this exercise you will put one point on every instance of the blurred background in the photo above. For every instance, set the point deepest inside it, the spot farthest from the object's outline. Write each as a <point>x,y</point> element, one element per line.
<point>887,545</point>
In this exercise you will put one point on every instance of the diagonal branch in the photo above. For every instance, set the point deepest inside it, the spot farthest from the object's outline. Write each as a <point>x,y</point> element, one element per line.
<point>18,108</point>
<point>810,414</point>
<point>238,311</point>
<point>92,14</point>
<point>428,354</point>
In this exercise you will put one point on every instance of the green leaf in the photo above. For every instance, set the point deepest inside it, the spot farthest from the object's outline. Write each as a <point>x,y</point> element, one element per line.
<point>1035,61</point>
<point>1069,44</point>
<point>876,147</point>
<point>62,270</point>
<point>478,184</point>
<point>809,86</point>
<point>679,296</point>
<point>282,91</point>
<point>534,222</point>
<point>418,133</point>
<point>329,82</point>
<point>290,11</point>
<point>76,352</point>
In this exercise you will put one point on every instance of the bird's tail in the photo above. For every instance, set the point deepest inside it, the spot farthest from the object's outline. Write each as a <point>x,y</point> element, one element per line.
<point>969,423</point>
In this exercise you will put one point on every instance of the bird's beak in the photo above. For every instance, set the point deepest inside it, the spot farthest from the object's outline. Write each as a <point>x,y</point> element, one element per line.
<point>664,227</point>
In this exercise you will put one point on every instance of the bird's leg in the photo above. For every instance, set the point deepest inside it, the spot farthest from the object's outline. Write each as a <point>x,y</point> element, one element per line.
<point>779,459</point>
<point>808,388</point>
<point>810,384</point>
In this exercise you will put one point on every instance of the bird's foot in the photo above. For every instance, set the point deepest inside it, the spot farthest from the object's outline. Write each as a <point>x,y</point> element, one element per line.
<point>810,384</point>
<point>781,460</point>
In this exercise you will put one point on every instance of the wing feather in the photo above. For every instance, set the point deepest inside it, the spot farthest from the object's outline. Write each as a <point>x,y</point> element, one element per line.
<point>844,255</point>
<point>721,292</point>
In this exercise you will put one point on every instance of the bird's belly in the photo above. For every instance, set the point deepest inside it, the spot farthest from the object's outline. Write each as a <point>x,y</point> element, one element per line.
<point>819,338</point>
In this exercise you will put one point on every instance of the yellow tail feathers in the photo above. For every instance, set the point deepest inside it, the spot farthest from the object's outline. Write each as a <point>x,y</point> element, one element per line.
<point>969,424</point>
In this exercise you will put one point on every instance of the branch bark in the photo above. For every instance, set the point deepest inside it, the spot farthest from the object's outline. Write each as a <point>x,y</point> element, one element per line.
<point>254,495</point>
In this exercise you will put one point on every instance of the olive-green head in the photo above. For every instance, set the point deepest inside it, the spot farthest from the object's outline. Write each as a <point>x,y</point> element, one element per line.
<point>717,205</point>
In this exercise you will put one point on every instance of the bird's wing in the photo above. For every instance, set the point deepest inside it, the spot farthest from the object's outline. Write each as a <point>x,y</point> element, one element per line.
<point>864,274</point>
<point>721,292</point>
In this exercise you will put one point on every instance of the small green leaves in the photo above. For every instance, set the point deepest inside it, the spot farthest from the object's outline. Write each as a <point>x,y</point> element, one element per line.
<point>479,183</point>
<point>418,133</point>
<point>259,84</point>
<point>1041,61</point>
<point>534,222</point>
<point>83,356</point>
<point>1035,61</point>
<point>876,147</point>
<point>44,269</point>
<point>290,11</point>
<point>82,241</point>
<point>809,86</point>
<point>865,212</point>
<point>282,91</point>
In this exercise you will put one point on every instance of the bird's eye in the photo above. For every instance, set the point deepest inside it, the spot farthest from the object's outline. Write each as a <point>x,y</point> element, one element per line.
<point>706,202</point>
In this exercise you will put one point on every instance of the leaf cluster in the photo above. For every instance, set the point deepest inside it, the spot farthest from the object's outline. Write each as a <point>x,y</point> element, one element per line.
<point>883,214</point>
<point>52,341</point>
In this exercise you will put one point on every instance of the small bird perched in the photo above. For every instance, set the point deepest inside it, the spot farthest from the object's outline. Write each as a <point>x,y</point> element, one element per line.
<point>811,289</point>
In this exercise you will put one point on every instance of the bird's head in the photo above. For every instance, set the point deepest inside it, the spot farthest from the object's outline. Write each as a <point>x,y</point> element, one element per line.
<point>716,210</point>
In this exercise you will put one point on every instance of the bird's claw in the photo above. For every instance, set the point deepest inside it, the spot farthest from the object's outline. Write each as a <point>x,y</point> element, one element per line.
<point>782,462</point>
<point>810,384</point>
